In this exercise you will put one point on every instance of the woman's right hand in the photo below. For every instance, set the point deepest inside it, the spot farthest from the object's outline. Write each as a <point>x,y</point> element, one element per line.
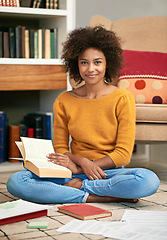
<point>63,160</point>
<point>91,170</point>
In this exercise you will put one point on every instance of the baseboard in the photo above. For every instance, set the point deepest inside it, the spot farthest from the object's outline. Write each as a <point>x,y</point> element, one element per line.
<point>11,166</point>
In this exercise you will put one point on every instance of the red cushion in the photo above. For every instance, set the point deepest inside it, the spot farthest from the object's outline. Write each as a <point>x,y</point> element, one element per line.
<point>145,75</point>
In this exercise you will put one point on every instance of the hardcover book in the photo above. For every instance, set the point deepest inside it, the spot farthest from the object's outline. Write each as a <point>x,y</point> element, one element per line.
<point>12,42</point>
<point>3,119</point>
<point>34,152</point>
<point>20,210</point>
<point>14,135</point>
<point>84,211</point>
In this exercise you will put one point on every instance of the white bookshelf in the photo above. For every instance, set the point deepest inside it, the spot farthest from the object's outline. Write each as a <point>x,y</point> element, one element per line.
<point>18,102</point>
<point>63,19</point>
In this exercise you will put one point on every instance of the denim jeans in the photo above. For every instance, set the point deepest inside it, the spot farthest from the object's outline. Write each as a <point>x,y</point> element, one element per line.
<point>122,182</point>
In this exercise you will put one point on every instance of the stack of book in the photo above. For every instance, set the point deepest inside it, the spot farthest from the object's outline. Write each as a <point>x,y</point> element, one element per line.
<point>3,129</point>
<point>10,3</point>
<point>48,4</point>
<point>34,125</point>
<point>19,42</point>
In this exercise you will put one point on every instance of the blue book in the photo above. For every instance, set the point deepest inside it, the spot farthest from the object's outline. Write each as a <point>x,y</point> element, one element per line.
<point>40,121</point>
<point>3,118</point>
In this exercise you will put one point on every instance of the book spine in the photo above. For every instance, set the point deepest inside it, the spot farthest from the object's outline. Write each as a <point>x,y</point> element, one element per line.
<point>49,125</point>
<point>43,43</point>
<point>23,217</point>
<point>47,43</point>
<point>47,4</point>
<point>3,118</point>
<point>23,41</point>
<point>35,4</point>
<point>52,44</point>
<point>27,49</point>
<point>51,6</point>
<point>6,44</point>
<point>18,41</point>
<point>38,127</point>
<point>43,4</point>
<point>38,3</point>
<point>35,44</point>
<point>30,132</point>
<point>31,42</point>
<point>1,45</point>
<point>40,43</point>
<point>56,42</point>
<point>14,135</point>
<point>12,43</point>
<point>23,130</point>
<point>56,4</point>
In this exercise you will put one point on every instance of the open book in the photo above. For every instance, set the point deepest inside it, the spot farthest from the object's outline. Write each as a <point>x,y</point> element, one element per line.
<point>34,153</point>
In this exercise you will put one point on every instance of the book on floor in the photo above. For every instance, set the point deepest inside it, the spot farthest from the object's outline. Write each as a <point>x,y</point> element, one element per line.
<point>20,210</point>
<point>84,211</point>
<point>34,152</point>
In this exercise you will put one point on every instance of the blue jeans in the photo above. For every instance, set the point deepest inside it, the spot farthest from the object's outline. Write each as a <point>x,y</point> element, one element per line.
<point>122,182</point>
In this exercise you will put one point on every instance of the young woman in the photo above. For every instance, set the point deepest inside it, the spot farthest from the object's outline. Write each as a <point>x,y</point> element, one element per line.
<point>100,118</point>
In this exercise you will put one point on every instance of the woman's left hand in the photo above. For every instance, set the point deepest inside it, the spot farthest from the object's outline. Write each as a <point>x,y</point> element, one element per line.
<point>92,170</point>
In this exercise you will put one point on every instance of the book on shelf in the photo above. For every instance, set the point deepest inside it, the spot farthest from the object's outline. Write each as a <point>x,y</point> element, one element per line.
<point>3,137</point>
<point>39,45</point>
<point>48,4</point>
<point>14,135</point>
<point>27,49</point>
<point>21,210</point>
<point>6,53</point>
<point>36,50</point>
<point>53,43</point>
<point>26,3</point>
<point>10,3</point>
<point>12,42</point>
<point>23,28</point>
<point>84,211</point>
<point>41,122</point>
<point>47,43</point>
<point>34,152</point>
<point>31,42</point>
<point>20,42</point>
<point>1,44</point>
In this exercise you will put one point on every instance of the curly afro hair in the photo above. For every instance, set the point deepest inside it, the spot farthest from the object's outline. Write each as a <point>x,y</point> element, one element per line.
<point>98,37</point>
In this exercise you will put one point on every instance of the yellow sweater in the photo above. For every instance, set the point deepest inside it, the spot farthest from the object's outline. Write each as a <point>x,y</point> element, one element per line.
<point>98,127</point>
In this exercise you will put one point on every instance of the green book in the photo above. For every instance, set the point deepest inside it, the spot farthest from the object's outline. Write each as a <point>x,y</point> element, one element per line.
<point>43,43</point>
<point>52,44</point>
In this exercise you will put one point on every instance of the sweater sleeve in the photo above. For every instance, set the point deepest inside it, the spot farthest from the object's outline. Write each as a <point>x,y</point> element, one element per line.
<point>126,117</point>
<point>61,134</point>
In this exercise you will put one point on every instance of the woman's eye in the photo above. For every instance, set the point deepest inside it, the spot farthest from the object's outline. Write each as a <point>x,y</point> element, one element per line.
<point>97,62</point>
<point>83,63</point>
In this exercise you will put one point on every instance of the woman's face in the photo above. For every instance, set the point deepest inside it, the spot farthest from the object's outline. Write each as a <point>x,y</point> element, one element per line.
<point>92,65</point>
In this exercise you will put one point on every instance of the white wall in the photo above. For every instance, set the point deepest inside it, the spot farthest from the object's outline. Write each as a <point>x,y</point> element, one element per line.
<point>118,9</point>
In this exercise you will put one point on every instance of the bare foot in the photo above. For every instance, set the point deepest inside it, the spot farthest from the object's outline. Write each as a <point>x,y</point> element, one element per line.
<point>105,199</point>
<point>75,183</point>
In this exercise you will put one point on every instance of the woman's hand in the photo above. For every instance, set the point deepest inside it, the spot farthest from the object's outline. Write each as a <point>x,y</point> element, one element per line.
<point>63,160</point>
<point>92,170</point>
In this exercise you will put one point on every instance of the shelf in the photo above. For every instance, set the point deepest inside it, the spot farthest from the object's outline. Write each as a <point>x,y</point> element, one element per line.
<point>35,12</point>
<point>30,61</point>
<point>32,77</point>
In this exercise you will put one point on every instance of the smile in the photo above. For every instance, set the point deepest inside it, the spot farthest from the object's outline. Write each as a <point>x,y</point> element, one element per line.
<point>91,76</point>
